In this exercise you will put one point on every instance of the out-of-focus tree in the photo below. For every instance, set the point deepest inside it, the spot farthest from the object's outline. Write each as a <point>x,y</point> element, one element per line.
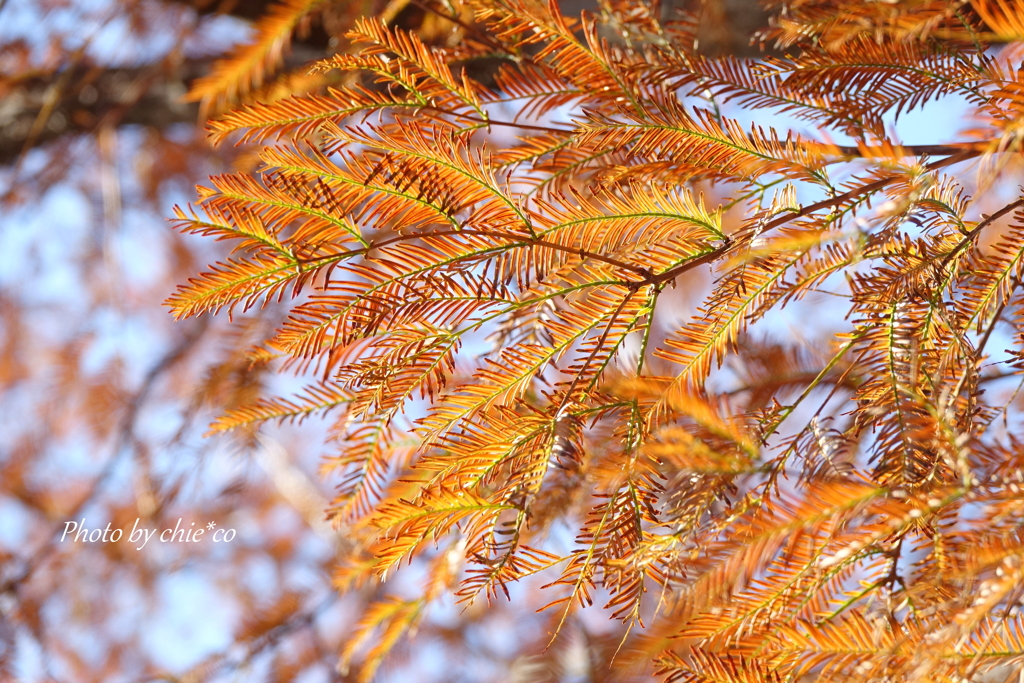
<point>104,400</point>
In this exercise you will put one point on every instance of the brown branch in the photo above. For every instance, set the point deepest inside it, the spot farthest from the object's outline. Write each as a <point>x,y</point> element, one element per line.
<point>650,278</point>
<point>514,124</point>
<point>807,210</point>
<point>82,97</point>
<point>673,273</point>
<point>976,230</point>
<point>995,377</point>
<point>249,10</point>
<point>480,35</point>
<point>78,100</point>
<point>523,240</point>
<point>943,149</point>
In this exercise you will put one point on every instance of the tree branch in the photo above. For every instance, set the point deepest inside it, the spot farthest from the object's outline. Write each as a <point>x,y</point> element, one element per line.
<point>41,108</point>
<point>672,273</point>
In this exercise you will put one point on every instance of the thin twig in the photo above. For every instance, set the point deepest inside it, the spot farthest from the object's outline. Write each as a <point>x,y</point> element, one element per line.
<point>811,208</point>
<point>224,662</point>
<point>483,37</point>
<point>986,221</point>
<point>125,435</point>
<point>523,240</point>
